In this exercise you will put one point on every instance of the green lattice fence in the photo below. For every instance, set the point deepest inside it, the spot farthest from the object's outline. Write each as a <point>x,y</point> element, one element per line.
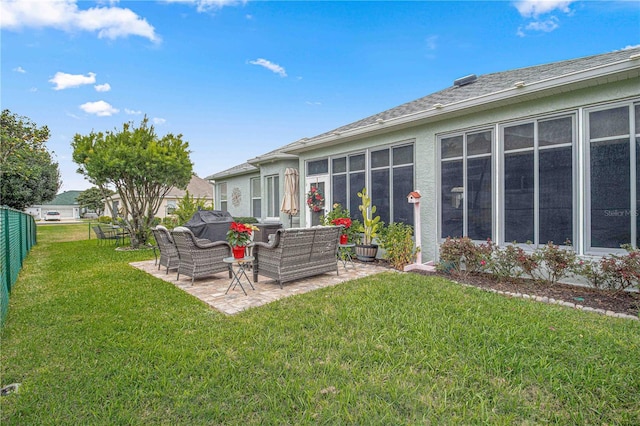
<point>17,236</point>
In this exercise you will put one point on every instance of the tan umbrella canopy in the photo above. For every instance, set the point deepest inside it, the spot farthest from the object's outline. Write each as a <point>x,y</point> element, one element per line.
<point>290,201</point>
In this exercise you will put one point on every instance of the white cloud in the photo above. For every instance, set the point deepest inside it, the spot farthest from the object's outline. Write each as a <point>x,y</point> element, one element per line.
<point>432,42</point>
<point>158,120</point>
<point>209,5</point>
<point>20,70</point>
<point>99,108</point>
<point>109,22</point>
<point>631,47</point>
<point>535,8</point>
<point>313,103</point>
<point>102,87</point>
<point>65,81</point>
<point>270,66</point>
<point>132,112</point>
<point>545,26</point>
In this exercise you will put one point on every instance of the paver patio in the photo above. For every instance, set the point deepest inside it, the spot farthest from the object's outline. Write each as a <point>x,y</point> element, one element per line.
<point>211,290</point>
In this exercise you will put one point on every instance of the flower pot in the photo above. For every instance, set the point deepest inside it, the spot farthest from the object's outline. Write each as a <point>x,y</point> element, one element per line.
<point>366,252</point>
<point>344,239</point>
<point>238,252</point>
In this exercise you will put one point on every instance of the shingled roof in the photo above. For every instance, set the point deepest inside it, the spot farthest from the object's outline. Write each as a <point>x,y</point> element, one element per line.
<point>479,87</point>
<point>67,198</point>
<point>479,92</point>
<point>238,170</point>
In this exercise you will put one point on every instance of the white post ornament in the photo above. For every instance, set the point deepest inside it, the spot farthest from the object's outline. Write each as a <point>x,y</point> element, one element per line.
<point>414,198</point>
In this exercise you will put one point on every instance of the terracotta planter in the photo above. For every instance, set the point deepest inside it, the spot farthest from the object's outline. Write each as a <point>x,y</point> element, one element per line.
<point>366,253</point>
<point>238,252</point>
<point>344,238</point>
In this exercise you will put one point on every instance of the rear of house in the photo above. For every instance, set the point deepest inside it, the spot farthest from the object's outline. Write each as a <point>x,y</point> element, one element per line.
<point>526,156</point>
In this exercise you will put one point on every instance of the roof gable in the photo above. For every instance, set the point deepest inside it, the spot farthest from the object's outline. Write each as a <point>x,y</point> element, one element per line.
<point>67,198</point>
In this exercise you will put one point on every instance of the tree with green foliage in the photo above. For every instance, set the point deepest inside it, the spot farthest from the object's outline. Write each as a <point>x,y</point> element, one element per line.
<point>188,205</point>
<point>140,165</point>
<point>94,199</point>
<point>28,174</point>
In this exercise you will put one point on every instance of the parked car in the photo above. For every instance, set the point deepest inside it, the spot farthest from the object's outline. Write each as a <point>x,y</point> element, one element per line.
<point>90,215</point>
<point>51,215</point>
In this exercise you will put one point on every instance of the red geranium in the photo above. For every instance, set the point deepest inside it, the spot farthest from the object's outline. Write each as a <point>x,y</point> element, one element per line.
<point>344,221</point>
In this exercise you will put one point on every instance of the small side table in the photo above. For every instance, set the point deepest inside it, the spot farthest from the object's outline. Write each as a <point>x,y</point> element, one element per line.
<point>344,254</point>
<point>240,272</point>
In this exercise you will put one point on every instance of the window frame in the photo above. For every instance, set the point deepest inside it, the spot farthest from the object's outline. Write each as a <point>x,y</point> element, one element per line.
<point>633,136</point>
<point>536,148</point>
<point>255,197</point>
<point>224,200</point>
<point>464,157</point>
<point>272,192</point>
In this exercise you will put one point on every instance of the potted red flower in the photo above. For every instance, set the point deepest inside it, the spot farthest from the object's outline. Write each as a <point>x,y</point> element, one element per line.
<point>346,223</point>
<point>239,236</point>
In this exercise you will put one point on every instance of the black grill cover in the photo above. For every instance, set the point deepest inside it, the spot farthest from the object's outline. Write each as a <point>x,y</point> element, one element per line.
<point>210,224</point>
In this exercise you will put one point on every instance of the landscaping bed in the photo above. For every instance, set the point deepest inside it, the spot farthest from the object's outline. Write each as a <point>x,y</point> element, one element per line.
<point>625,302</point>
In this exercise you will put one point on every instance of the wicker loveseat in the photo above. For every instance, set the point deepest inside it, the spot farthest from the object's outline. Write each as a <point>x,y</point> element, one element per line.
<point>296,253</point>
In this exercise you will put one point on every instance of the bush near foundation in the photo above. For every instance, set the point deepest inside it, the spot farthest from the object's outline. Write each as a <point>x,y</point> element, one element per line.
<point>549,263</point>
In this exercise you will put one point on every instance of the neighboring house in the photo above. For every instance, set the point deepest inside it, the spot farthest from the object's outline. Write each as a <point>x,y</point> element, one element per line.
<point>65,203</point>
<point>537,154</point>
<point>197,187</point>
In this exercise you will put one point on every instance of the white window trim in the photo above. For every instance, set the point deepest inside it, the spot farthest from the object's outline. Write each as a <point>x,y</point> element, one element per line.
<point>536,167</point>
<point>464,157</point>
<point>586,144</point>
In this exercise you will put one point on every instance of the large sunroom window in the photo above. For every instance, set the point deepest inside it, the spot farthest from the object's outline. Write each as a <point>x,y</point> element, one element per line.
<point>538,180</point>
<point>347,179</point>
<point>391,182</point>
<point>465,182</point>
<point>614,163</point>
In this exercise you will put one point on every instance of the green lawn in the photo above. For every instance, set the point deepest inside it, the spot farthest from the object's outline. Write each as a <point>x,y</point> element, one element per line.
<point>95,341</point>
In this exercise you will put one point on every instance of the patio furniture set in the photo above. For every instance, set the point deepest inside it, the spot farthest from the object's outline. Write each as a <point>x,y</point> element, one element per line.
<point>291,254</point>
<point>111,233</point>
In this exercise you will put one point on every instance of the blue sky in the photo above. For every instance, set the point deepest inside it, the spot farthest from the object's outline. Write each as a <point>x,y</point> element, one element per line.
<point>240,78</point>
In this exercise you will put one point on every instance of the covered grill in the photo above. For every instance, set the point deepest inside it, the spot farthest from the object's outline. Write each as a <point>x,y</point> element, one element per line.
<point>210,224</point>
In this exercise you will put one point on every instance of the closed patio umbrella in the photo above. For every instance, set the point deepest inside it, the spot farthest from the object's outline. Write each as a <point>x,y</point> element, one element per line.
<point>290,201</point>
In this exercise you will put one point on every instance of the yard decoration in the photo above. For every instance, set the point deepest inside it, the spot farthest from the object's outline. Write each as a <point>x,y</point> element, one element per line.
<point>315,199</point>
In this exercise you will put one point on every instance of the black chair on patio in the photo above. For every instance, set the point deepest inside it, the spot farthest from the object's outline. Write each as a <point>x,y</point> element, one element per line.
<point>106,235</point>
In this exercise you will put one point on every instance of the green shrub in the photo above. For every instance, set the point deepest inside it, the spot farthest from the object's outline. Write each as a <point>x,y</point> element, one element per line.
<point>505,262</point>
<point>461,256</point>
<point>396,239</point>
<point>245,219</point>
<point>105,219</point>
<point>556,263</point>
<point>188,206</point>
<point>170,222</point>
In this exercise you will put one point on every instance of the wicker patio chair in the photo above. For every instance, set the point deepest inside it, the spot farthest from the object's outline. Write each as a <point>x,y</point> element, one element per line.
<point>296,253</point>
<point>168,251</point>
<point>104,236</point>
<point>198,259</point>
